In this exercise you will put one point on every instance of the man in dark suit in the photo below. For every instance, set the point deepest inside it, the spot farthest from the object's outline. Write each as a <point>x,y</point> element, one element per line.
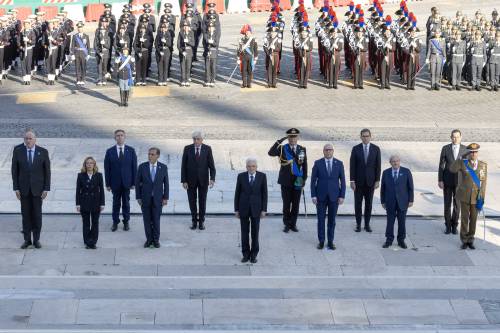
<point>365,167</point>
<point>292,175</point>
<point>448,181</point>
<point>197,174</point>
<point>120,168</point>
<point>250,205</point>
<point>327,192</point>
<point>31,182</point>
<point>151,192</point>
<point>396,196</point>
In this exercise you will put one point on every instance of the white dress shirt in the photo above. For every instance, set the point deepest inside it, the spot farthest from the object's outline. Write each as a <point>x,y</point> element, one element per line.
<point>455,149</point>
<point>118,150</point>
<point>250,177</point>
<point>32,153</point>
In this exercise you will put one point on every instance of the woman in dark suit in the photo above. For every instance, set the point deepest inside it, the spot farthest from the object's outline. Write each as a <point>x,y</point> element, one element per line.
<point>90,200</point>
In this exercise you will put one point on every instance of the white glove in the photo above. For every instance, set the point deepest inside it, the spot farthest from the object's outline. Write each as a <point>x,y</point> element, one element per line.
<point>87,58</point>
<point>184,53</point>
<point>426,61</point>
<point>238,61</point>
<point>73,57</point>
<point>211,41</point>
<point>255,59</point>
<point>161,53</point>
<point>102,42</point>
<point>163,40</point>
<point>186,40</point>
<point>26,39</point>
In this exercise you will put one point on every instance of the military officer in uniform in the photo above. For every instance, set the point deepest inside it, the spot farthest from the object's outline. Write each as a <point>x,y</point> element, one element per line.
<point>272,47</point>
<point>478,60</point>
<point>247,55</point>
<point>292,175</point>
<point>494,62</point>
<point>436,54</point>
<point>471,191</point>
<point>185,45</point>
<point>80,53</point>
<point>458,48</point>
<point>211,39</point>
<point>103,42</point>
<point>164,44</point>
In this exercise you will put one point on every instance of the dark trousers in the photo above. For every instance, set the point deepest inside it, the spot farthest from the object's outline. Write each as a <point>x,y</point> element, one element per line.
<point>142,66</point>
<point>321,208</point>
<point>102,66</point>
<point>80,67</point>
<point>121,199</point>
<point>363,192</point>
<point>468,223</point>
<point>392,214</point>
<point>291,201</point>
<point>305,69</point>
<point>163,62</point>
<point>250,228</point>
<point>246,70</point>
<point>186,63</point>
<point>151,218</point>
<point>272,68</point>
<point>211,67</point>
<point>197,192</point>
<point>412,72</point>
<point>385,72</point>
<point>450,200</point>
<point>50,63</point>
<point>26,63</point>
<point>359,67</point>
<point>31,210</point>
<point>90,227</point>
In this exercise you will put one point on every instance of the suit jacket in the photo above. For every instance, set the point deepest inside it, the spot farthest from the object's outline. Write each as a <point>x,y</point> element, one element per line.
<point>446,159</point>
<point>152,191</point>
<point>194,171</point>
<point>30,179</point>
<point>365,173</point>
<point>89,192</point>
<point>467,190</point>
<point>250,200</point>
<point>285,177</point>
<point>399,192</point>
<point>324,185</point>
<point>118,173</point>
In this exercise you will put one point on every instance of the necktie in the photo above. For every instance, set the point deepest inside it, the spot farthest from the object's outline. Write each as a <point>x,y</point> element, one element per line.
<point>366,153</point>
<point>121,153</point>
<point>455,153</point>
<point>293,149</point>
<point>251,180</point>
<point>30,157</point>
<point>153,172</point>
<point>197,154</point>
<point>395,176</point>
<point>329,167</point>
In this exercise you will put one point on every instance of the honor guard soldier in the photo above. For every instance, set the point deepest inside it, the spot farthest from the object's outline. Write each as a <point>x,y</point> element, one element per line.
<point>26,43</point>
<point>102,46</point>
<point>131,24</point>
<point>305,54</point>
<point>386,57</point>
<point>50,43</point>
<point>195,21</point>
<point>292,175</point>
<point>413,63</point>
<point>125,71</point>
<point>211,49</point>
<point>109,15</point>
<point>458,48</point>
<point>80,53</point>
<point>210,16</point>
<point>359,56</point>
<point>272,47</point>
<point>471,191</point>
<point>333,45</point>
<point>164,44</point>
<point>185,45</point>
<point>169,17</point>
<point>493,62</point>
<point>122,38</point>
<point>433,24</point>
<point>247,55</point>
<point>436,55</point>
<point>477,51</point>
<point>4,45</point>
<point>142,44</point>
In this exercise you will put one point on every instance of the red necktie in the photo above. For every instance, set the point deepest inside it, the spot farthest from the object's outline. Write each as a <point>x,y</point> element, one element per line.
<point>197,154</point>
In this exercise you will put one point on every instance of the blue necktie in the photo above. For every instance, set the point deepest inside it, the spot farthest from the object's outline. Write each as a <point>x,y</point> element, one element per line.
<point>329,167</point>
<point>251,180</point>
<point>153,173</point>
<point>30,157</point>
<point>395,176</point>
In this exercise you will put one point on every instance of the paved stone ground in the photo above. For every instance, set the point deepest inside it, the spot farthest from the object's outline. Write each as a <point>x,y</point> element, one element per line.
<point>195,281</point>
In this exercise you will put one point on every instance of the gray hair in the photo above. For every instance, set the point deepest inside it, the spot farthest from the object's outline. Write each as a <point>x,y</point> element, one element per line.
<point>328,145</point>
<point>394,157</point>
<point>251,160</point>
<point>30,130</point>
<point>197,134</point>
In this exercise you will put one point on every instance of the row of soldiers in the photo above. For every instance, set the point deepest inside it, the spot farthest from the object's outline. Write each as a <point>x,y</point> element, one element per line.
<point>33,44</point>
<point>461,49</point>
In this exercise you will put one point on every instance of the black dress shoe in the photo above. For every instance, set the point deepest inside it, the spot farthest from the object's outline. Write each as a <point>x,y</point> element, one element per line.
<point>286,229</point>
<point>25,245</point>
<point>320,246</point>
<point>454,230</point>
<point>201,226</point>
<point>368,228</point>
<point>463,246</point>
<point>147,244</point>
<point>402,245</point>
<point>448,230</point>
<point>157,245</point>
<point>294,229</point>
<point>245,259</point>
<point>386,245</point>
<point>87,247</point>
<point>93,247</point>
<point>37,245</point>
<point>358,228</point>
<point>126,226</point>
<point>114,227</point>
<point>331,246</point>
<point>471,246</point>
<point>253,260</point>
<point>194,226</point>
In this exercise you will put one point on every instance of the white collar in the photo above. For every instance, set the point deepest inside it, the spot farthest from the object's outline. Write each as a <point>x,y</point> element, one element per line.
<point>329,159</point>
<point>32,149</point>
<point>122,146</point>
<point>153,165</point>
